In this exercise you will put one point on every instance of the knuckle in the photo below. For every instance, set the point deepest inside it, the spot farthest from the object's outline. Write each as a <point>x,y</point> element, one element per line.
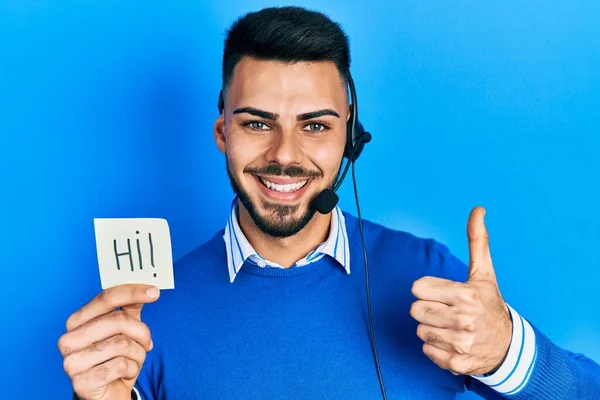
<point>121,365</point>
<point>427,350</point>
<point>109,298</point>
<point>67,365</point>
<point>460,348</point>
<point>467,295</point>
<point>63,344</point>
<point>464,345</point>
<point>122,341</point>
<point>456,364</point>
<point>413,309</point>
<point>415,287</point>
<point>465,323</point>
<point>119,316</point>
<point>135,352</point>
<point>104,297</point>
<point>146,334</point>
<point>125,367</point>
<point>419,286</point>
<point>420,331</point>
<point>70,323</point>
<point>79,385</point>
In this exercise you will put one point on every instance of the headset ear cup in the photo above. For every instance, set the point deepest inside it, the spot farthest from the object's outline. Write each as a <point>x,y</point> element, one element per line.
<point>363,137</point>
<point>349,139</point>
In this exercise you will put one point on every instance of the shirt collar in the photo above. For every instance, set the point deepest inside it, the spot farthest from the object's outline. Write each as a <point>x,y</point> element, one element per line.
<point>239,249</point>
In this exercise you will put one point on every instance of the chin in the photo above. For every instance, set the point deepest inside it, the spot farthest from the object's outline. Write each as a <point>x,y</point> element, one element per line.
<point>278,219</point>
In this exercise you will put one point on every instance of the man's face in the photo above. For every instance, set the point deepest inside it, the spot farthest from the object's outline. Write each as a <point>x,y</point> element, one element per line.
<point>283,133</point>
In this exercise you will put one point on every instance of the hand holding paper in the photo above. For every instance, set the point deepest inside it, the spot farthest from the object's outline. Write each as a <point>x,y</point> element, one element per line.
<point>104,348</point>
<point>134,250</point>
<point>106,342</point>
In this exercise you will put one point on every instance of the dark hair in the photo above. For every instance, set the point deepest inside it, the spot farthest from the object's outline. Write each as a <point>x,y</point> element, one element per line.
<point>286,34</point>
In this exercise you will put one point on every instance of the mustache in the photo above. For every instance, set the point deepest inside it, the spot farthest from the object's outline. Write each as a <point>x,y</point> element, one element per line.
<point>277,170</point>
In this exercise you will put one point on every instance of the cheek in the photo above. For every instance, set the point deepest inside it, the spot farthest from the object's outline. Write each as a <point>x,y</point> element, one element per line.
<point>328,157</point>
<point>240,152</point>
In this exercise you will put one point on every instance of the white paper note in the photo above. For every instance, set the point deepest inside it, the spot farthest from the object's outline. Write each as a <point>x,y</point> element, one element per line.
<point>134,250</point>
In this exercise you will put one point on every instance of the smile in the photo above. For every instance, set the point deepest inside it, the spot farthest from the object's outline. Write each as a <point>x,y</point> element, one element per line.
<point>283,188</point>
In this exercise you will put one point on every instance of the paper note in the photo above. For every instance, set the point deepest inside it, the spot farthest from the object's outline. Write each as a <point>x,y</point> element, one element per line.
<point>134,250</point>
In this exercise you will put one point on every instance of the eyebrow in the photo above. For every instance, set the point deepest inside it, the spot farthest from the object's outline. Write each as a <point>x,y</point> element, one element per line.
<point>256,112</point>
<point>316,114</point>
<point>273,116</point>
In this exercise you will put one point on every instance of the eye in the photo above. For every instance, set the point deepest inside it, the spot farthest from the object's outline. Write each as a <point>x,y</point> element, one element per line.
<point>257,125</point>
<point>316,127</point>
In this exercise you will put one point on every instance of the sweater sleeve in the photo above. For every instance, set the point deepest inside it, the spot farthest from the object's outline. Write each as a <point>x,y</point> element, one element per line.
<point>535,368</point>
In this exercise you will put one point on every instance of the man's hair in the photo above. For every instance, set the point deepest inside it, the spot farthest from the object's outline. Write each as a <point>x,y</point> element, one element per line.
<point>286,34</point>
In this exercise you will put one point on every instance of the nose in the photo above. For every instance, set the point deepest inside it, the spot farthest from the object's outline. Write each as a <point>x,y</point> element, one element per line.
<point>285,149</point>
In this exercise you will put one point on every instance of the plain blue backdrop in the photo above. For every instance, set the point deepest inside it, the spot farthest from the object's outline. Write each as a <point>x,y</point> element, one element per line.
<point>106,110</point>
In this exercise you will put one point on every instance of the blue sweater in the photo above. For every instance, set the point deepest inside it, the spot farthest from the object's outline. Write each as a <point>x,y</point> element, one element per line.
<point>302,333</point>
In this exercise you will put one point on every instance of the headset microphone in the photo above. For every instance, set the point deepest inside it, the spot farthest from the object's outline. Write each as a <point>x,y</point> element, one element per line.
<point>326,201</point>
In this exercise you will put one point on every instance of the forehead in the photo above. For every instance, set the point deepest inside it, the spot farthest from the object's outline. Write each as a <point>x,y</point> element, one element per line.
<point>277,86</point>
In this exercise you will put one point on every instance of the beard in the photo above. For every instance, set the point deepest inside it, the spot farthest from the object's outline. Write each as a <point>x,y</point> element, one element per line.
<point>280,220</point>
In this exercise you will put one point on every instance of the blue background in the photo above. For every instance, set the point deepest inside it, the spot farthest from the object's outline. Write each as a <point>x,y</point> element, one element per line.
<point>106,110</point>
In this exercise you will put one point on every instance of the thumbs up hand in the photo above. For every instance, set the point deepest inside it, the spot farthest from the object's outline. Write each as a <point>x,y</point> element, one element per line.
<point>466,327</point>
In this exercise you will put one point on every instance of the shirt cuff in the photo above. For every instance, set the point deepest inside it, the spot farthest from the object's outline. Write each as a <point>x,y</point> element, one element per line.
<point>512,376</point>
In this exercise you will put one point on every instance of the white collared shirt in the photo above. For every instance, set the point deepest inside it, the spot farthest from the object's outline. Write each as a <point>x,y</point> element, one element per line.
<point>239,249</point>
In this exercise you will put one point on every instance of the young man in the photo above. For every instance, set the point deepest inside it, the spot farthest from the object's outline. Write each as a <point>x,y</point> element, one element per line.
<point>274,306</point>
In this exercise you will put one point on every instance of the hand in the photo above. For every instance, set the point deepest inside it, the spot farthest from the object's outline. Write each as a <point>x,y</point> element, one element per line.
<point>104,349</point>
<point>466,327</point>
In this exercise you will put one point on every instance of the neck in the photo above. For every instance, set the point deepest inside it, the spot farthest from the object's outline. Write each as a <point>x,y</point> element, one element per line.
<point>285,251</point>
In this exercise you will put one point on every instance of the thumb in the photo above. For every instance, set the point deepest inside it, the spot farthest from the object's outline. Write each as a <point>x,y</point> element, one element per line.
<point>135,309</point>
<point>480,260</point>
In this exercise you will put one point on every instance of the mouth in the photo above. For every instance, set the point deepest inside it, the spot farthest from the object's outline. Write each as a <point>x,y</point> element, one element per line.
<point>282,189</point>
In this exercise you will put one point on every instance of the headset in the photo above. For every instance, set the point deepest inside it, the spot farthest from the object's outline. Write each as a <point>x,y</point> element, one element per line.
<point>356,139</point>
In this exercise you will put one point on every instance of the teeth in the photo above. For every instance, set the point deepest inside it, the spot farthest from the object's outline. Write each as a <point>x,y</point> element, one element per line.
<point>290,187</point>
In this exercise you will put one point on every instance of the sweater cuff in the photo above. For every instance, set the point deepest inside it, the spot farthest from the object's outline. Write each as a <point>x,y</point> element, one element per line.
<point>514,373</point>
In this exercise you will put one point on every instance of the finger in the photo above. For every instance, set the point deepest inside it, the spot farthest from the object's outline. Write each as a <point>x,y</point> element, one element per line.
<point>129,296</point>
<point>104,374</point>
<point>437,355</point>
<point>103,327</point>
<point>438,337</point>
<point>432,313</point>
<point>436,289</point>
<point>105,350</point>
<point>480,260</point>
<point>457,364</point>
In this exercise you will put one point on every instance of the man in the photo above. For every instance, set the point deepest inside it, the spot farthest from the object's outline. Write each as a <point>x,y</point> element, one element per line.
<point>273,306</point>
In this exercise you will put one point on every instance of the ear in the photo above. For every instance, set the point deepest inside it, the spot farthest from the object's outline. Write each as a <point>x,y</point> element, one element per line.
<point>219,132</point>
